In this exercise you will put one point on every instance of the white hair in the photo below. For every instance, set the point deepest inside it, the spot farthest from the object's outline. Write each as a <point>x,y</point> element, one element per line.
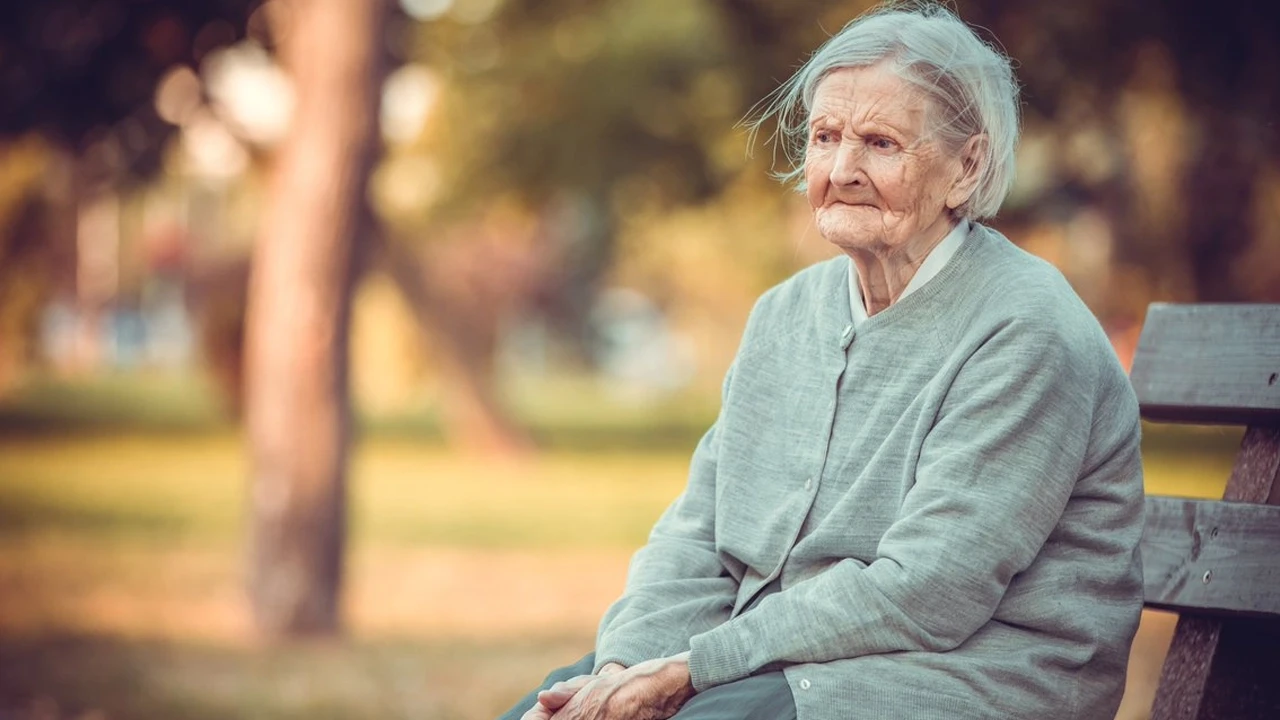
<point>970,83</point>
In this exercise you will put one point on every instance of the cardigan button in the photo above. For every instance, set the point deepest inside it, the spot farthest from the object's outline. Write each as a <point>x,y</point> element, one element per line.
<point>805,684</point>
<point>808,484</point>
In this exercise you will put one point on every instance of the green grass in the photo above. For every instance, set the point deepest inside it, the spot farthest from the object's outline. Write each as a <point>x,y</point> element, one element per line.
<point>157,403</point>
<point>192,489</point>
<point>562,413</point>
<point>408,496</point>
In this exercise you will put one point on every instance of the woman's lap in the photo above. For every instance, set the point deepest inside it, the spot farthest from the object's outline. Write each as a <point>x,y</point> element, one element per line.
<point>760,697</point>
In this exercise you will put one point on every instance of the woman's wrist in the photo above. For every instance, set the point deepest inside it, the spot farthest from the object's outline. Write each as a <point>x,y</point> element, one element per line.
<point>677,668</point>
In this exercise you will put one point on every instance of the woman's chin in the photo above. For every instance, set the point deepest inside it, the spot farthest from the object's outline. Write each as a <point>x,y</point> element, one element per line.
<point>854,241</point>
<point>851,228</point>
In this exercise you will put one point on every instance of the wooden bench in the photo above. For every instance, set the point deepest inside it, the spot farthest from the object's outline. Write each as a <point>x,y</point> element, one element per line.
<point>1217,563</point>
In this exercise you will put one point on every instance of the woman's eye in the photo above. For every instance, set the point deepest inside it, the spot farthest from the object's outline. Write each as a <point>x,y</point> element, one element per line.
<point>880,142</point>
<point>823,137</point>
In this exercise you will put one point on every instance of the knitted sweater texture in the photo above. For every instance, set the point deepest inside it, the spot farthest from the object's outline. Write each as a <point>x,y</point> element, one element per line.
<point>935,516</point>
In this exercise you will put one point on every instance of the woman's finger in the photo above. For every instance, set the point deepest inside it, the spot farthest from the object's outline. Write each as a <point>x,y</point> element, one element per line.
<point>537,712</point>
<point>554,697</point>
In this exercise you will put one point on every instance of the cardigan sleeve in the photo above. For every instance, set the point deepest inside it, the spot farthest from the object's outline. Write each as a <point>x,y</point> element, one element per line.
<point>995,473</point>
<point>677,586</point>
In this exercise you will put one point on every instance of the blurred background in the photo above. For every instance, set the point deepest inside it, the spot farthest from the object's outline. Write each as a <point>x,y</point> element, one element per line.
<point>348,349</point>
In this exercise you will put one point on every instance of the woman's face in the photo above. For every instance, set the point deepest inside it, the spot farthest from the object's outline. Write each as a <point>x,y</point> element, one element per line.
<point>876,179</point>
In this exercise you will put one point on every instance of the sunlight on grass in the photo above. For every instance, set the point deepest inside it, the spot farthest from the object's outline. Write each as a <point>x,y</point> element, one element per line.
<point>404,495</point>
<point>193,489</point>
<point>153,402</point>
<point>122,487</point>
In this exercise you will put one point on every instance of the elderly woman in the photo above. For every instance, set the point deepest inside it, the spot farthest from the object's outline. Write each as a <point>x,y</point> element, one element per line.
<point>922,497</point>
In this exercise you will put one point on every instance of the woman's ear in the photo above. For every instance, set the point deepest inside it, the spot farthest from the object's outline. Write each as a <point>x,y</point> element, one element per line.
<point>973,157</point>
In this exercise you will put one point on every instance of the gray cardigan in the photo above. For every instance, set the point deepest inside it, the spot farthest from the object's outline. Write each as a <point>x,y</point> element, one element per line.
<point>935,516</point>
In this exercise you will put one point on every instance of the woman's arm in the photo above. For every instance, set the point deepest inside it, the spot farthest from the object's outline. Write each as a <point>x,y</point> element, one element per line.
<point>676,586</point>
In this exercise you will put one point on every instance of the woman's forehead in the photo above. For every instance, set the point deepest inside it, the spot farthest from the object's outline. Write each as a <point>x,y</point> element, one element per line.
<point>875,90</point>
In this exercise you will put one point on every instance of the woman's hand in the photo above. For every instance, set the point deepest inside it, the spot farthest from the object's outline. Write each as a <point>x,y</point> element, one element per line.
<point>554,697</point>
<point>652,690</point>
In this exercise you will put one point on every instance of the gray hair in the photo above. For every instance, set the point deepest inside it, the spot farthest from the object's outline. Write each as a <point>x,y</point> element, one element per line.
<point>969,82</point>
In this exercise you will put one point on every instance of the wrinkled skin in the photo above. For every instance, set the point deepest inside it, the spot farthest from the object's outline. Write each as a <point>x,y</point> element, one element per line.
<point>652,690</point>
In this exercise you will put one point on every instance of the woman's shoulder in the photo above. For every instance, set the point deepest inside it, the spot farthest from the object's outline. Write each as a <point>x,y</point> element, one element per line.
<point>1023,305</point>
<point>1014,285</point>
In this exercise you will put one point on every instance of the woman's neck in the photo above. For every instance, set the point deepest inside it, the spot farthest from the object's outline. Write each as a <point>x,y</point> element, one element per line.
<point>885,272</point>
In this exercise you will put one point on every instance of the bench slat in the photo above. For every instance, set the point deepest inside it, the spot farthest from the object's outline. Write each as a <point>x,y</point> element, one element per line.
<point>1209,364</point>
<point>1211,557</point>
<point>1223,667</point>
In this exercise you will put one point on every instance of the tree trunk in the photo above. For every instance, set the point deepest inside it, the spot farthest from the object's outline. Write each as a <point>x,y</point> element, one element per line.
<point>299,307</point>
<point>474,418</point>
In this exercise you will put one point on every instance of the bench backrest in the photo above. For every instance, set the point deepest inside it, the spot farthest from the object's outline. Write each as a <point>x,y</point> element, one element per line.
<point>1217,563</point>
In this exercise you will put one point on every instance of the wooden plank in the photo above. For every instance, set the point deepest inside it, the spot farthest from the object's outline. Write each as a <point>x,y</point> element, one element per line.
<point>1225,668</point>
<point>1186,670</point>
<point>1205,556</point>
<point>1255,476</point>
<point>1209,364</point>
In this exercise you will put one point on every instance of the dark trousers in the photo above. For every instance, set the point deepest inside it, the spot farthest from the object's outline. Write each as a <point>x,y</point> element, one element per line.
<point>760,697</point>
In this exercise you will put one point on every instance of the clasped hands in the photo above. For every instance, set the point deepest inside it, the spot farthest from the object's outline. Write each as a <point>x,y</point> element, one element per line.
<point>651,690</point>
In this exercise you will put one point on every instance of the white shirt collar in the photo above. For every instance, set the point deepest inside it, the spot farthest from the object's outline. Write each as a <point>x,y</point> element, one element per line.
<point>932,265</point>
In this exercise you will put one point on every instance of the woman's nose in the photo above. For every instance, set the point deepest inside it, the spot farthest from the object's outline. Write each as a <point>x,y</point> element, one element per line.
<point>847,169</point>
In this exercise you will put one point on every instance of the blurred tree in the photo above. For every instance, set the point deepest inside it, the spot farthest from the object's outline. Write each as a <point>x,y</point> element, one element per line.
<point>575,107</point>
<point>1161,115</point>
<point>461,289</point>
<point>83,73</point>
<point>305,262</point>
<point>28,262</point>
<point>81,76</point>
